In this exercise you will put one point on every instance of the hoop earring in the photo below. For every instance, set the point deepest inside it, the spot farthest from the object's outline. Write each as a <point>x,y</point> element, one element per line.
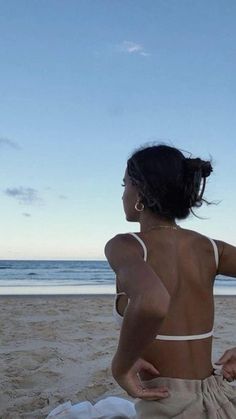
<point>136,206</point>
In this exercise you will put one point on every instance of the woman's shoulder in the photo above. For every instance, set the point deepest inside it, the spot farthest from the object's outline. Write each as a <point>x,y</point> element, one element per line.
<point>122,237</point>
<point>119,243</point>
<point>195,235</point>
<point>207,240</point>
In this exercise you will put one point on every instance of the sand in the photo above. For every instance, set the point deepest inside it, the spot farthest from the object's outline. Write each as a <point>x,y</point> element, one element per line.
<point>59,348</point>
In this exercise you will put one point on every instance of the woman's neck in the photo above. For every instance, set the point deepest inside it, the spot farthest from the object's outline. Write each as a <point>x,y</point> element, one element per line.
<point>148,222</point>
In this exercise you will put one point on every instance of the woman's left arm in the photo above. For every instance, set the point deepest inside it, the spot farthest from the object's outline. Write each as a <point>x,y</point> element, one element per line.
<point>148,306</point>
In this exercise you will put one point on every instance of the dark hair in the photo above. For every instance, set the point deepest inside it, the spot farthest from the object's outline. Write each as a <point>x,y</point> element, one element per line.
<point>170,184</point>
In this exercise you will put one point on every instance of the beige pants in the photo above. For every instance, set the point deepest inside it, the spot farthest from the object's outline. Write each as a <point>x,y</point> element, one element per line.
<point>212,398</point>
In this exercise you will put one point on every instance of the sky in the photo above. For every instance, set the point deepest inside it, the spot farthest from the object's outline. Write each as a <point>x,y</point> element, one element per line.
<point>85,83</point>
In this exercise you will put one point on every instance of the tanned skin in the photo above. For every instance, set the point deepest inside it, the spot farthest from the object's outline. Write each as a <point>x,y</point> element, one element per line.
<point>170,294</point>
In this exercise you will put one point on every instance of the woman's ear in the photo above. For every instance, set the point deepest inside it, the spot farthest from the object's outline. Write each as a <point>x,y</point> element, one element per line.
<point>139,197</point>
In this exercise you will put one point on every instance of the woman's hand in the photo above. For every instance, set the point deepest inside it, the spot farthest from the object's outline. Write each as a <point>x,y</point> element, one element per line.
<point>129,380</point>
<point>228,362</point>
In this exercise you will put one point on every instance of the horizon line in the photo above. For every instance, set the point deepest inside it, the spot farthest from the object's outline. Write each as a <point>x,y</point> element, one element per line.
<point>54,260</point>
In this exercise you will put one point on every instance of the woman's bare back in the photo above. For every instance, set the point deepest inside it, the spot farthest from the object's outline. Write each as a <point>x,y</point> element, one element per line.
<point>185,262</point>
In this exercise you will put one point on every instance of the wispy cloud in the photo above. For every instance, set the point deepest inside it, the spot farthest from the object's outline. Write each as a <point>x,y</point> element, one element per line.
<point>27,196</point>
<point>26,214</point>
<point>62,196</point>
<point>131,47</point>
<point>8,143</point>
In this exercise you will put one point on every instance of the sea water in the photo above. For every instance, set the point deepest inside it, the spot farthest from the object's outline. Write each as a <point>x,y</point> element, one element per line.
<point>39,277</point>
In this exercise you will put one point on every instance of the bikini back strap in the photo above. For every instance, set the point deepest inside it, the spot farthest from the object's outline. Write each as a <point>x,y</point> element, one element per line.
<point>142,244</point>
<point>187,337</point>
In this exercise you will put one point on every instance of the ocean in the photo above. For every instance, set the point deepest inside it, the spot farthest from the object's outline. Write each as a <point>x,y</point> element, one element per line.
<point>39,277</point>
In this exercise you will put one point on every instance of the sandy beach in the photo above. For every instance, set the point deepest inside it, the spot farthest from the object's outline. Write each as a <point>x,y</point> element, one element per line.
<point>59,348</point>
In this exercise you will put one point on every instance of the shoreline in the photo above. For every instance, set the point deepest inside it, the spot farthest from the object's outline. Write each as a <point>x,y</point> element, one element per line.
<point>109,290</point>
<point>62,296</point>
<point>56,348</point>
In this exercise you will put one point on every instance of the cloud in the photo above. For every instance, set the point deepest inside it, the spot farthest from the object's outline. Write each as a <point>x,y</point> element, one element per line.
<point>144,54</point>
<point>131,47</point>
<point>62,196</point>
<point>27,196</point>
<point>9,143</point>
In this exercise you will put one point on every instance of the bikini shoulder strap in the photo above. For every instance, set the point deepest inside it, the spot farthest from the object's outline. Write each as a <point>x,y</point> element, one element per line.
<point>216,253</point>
<point>142,244</point>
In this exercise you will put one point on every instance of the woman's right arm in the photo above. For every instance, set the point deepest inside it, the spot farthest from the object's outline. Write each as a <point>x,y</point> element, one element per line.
<point>227,259</point>
<point>227,266</point>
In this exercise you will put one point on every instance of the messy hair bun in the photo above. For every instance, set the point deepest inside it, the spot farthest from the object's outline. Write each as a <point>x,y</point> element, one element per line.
<point>198,165</point>
<point>195,172</point>
<point>170,184</point>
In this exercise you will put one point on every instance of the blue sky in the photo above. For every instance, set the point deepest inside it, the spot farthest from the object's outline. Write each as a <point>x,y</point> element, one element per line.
<point>84,83</point>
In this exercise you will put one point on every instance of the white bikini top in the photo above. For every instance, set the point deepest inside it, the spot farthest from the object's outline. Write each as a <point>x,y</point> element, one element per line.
<point>119,318</point>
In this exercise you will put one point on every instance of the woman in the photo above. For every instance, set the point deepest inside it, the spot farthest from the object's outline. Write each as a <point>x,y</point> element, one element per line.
<point>164,303</point>
<point>168,323</point>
